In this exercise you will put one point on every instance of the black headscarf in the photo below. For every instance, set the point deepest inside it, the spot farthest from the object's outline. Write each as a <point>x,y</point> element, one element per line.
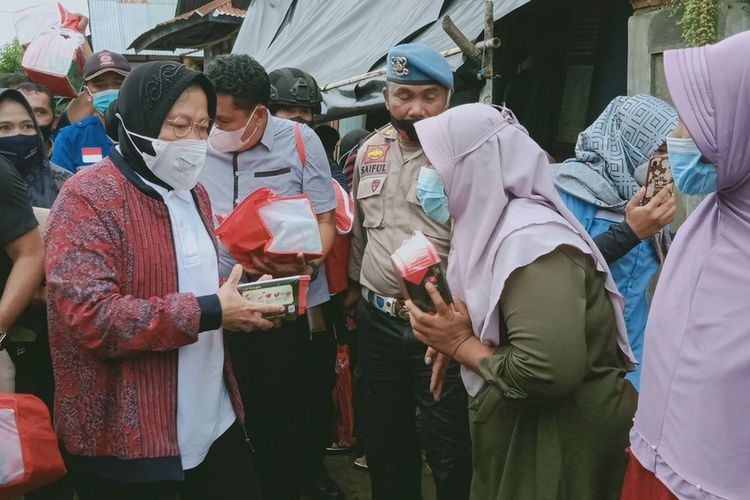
<point>146,96</point>
<point>40,180</point>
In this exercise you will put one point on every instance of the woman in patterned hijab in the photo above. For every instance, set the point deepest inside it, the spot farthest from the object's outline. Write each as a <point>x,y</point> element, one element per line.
<point>625,135</point>
<point>602,188</point>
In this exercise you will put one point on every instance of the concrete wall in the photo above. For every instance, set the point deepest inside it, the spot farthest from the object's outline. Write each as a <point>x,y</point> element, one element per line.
<point>651,31</point>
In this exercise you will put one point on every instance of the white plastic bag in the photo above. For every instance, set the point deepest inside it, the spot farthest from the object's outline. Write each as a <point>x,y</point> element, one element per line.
<point>293,226</point>
<point>31,21</point>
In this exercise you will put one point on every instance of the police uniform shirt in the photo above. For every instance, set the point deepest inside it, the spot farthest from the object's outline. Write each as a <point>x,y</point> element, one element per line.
<point>275,164</point>
<point>81,144</point>
<point>387,210</point>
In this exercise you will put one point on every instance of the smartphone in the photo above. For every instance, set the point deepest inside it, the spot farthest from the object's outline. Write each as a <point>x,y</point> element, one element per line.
<point>418,294</point>
<point>416,263</point>
<point>289,292</point>
<point>658,176</point>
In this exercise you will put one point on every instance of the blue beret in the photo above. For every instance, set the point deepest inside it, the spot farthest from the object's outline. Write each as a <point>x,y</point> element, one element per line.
<point>418,64</point>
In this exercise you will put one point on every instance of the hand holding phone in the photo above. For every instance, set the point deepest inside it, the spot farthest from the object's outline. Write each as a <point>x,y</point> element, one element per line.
<point>658,177</point>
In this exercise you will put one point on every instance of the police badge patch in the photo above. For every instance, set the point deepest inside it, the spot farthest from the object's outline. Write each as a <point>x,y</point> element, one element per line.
<point>399,65</point>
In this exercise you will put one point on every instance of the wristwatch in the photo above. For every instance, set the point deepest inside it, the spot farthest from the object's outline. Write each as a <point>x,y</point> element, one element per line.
<point>3,337</point>
<point>315,267</point>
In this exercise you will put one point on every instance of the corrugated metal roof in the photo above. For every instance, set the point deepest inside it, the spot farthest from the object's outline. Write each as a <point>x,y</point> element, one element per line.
<point>218,7</point>
<point>190,5</point>
<point>115,24</point>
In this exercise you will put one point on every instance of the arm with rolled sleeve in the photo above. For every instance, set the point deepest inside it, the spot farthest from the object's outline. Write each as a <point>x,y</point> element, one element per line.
<point>84,273</point>
<point>317,184</point>
<point>544,306</point>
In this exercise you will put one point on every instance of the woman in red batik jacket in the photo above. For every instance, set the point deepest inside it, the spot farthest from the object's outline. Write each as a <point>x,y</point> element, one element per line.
<point>146,403</point>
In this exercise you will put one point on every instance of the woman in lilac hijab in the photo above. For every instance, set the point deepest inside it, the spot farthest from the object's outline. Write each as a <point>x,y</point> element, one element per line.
<point>540,337</point>
<point>692,428</point>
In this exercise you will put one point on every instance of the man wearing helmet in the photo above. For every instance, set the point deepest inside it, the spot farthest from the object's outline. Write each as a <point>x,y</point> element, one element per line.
<point>295,95</point>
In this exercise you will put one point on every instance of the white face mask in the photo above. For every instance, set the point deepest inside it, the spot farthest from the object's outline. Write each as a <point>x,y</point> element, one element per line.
<point>178,163</point>
<point>225,141</point>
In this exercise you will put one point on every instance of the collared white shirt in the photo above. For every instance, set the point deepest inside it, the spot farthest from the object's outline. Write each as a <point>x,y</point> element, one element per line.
<point>204,409</point>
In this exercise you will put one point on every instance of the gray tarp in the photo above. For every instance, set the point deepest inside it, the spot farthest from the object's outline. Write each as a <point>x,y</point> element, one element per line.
<point>338,39</point>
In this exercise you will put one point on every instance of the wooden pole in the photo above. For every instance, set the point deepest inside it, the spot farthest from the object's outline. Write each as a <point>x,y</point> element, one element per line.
<point>486,71</point>
<point>461,40</point>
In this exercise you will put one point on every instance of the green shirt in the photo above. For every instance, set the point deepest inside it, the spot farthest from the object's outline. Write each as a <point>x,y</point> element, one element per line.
<point>552,421</point>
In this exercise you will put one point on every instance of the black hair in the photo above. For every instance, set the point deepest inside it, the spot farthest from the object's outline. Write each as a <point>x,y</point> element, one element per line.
<point>242,77</point>
<point>329,136</point>
<point>41,89</point>
<point>13,80</point>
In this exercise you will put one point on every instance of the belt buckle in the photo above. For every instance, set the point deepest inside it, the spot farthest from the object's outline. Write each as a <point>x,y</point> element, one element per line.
<point>402,312</point>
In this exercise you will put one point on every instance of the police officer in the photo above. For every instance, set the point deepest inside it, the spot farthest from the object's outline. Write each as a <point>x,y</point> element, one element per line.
<point>85,142</point>
<point>249,149</point>
<point>392,362</point>
<point>295,95</point>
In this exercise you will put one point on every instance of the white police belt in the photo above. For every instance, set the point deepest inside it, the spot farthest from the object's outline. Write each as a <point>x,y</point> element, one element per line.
<point>392,306</point>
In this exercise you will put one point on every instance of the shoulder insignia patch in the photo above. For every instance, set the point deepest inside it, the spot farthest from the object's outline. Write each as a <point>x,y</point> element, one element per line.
<point>389,132</point>
<point>376,153</point>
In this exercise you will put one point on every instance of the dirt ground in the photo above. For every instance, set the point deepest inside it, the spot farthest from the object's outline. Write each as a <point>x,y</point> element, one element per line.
<point>356,482</point>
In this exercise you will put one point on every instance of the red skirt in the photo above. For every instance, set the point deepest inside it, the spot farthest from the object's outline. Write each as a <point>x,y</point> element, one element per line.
<point>641,483</point>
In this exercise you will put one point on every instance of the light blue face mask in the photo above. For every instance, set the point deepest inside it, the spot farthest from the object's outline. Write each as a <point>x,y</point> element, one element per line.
<point>431,195</point>
<point>103,99</point>
<point>691,175</point>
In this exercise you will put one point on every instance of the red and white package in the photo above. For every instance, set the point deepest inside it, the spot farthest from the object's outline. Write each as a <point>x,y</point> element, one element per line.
<point>417,263</point>
<point>31,21</point>
<point>54,53</point>
<point>29,453</point>
<point>265,224</point>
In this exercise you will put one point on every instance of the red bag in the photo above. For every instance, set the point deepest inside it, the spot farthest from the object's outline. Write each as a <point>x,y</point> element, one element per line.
<point>29,453</point>
<point>342,399</point>
<point>56,54</point>
<point>279,227</point>
<point>337,262</point>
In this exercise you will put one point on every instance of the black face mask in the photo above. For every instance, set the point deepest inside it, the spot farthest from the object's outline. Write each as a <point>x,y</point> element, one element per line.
<point>299,119</point>
<point>46,131</point>
<point>406,128</point>
<point>20,150</point>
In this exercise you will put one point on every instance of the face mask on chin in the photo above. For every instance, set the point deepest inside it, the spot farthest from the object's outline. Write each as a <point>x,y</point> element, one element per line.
<point>406,128</point>
<point>21,150</point>
<point>178,163</point>
<point>230,141</point>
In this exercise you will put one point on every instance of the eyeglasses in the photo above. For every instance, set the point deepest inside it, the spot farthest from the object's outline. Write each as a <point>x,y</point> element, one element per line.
<point>182,127</point>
